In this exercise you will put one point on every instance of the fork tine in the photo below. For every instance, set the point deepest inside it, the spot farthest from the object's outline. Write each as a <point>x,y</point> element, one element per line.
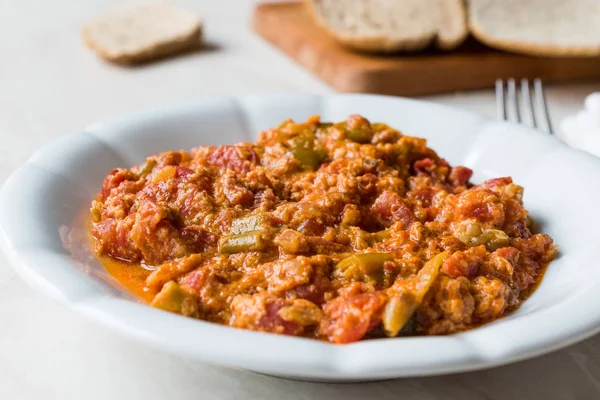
<point>527,103</point>
<point>500,100</point>
<point>513,99</point>
<point>541,99</point>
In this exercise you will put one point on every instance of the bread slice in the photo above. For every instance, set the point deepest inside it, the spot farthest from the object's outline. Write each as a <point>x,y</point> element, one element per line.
<point>389,26</point>
<point>538,27</point>
<point>142,32</point>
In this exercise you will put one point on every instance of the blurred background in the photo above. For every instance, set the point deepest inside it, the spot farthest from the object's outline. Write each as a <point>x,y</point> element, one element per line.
<point>50,83</point>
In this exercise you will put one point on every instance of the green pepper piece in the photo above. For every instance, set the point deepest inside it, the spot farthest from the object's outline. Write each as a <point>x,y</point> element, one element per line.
<point>146,168</point>
<point>303,130</point>
<point>360,135</point>
<point>397,312</point>
<point>244,242</point>
<point>365,263</point>
<point>249,223</point>
<point>309,158</point>
<point>380,236</point>
<point>174,299</point>
<point>407,295</point>
<point>285,123</point>
<point>378,126</point>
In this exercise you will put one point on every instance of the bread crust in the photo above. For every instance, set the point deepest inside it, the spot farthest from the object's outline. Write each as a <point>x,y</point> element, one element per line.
<point>476,23</point>
<point>529,48</point>
<point>383,44</point>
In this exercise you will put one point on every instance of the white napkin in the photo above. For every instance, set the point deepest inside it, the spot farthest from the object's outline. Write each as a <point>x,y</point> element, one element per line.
<point>582,130</point>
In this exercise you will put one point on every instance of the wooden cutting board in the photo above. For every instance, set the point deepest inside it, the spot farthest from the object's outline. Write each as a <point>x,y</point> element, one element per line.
<point>472,66</point>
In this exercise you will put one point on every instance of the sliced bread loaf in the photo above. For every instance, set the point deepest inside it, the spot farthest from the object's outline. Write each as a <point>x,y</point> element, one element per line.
<point>141,32</point>
<point>392,25</point>
<point>538,27</point>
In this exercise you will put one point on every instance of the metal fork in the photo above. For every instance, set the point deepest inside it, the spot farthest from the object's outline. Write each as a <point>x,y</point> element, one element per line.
<point>508,101</point>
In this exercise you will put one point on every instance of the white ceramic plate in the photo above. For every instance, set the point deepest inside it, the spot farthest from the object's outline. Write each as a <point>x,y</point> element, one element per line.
<point>54,189</point>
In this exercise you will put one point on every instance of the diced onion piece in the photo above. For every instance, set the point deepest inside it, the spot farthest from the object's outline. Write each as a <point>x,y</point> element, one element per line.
<point>249,223</point>
<point>242,243</point>
<point>471,233</point>
<point>302,312</point>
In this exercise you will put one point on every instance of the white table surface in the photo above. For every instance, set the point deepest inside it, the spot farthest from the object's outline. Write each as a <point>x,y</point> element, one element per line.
<point>50,84</point>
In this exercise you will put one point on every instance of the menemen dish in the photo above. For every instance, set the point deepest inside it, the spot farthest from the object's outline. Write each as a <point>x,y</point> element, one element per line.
<point>338,232</point>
